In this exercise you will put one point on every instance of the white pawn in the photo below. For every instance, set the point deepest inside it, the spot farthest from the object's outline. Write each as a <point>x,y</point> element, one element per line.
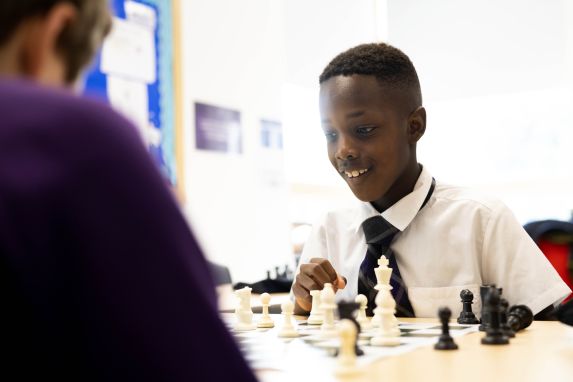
<point>315,317</point>
<point>288,330</point>
<point>361,317</point>
<point>328,305</point>
<point>266,321</point>
<point>243,310</point>
<point>388,333</point>
<point>346,361</point>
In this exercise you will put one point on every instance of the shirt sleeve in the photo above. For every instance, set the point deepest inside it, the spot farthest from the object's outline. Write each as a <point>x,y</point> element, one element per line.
<point>315,246</point>
<point>512,261</point>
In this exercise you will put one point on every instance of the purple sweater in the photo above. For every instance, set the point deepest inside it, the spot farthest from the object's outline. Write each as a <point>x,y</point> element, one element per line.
<point>100,276</point>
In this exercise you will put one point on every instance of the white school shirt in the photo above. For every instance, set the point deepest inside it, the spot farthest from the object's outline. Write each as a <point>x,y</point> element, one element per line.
<point>459,240</point>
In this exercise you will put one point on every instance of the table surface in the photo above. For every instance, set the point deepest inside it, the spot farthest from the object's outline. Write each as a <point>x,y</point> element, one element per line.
<point>543,352</point>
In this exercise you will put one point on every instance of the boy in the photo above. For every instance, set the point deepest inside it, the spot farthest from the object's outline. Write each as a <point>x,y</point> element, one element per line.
<point>439,239</point>
<point>100,277</point>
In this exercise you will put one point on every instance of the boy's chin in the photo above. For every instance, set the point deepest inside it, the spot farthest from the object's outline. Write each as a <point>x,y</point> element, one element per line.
<point>364,197</point>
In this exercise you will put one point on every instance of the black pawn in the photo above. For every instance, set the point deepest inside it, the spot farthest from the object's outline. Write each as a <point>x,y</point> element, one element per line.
<point>467,316</point>
<point>445,342</point>
<point>503,318</point>
<point>346,311</point>
<point>494,335</point>
<point>519,317</point>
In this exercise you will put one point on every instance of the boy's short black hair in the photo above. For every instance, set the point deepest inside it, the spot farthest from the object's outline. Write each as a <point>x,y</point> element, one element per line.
<point>388,64</point>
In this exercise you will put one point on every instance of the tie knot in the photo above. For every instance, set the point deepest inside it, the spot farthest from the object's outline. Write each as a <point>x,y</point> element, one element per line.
<point>378,230</point>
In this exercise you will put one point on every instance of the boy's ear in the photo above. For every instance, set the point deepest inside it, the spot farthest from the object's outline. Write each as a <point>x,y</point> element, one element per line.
<point>40,58</point>
<point>417,124</point>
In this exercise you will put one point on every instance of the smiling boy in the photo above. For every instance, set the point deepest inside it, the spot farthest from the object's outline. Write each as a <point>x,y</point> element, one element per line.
<point>439,239</point>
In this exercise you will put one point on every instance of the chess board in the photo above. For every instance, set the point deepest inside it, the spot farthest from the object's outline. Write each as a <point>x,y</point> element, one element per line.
<point>310,352</point>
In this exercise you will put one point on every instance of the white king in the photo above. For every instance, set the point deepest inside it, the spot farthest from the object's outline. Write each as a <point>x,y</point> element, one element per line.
<point>383,274</point>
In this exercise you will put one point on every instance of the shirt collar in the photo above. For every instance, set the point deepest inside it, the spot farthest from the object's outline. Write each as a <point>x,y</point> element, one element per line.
<point>401,213</point>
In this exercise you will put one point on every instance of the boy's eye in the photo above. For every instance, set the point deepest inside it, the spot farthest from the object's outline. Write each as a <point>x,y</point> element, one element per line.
<point>365,130</point>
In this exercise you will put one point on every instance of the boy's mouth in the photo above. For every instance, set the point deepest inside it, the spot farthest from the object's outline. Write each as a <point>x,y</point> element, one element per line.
<point>355,173</point>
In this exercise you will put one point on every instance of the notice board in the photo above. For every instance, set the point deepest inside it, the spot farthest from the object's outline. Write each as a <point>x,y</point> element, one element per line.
<point>134,73</point>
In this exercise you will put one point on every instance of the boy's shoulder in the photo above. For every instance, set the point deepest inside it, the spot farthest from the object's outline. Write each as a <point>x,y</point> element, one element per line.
<point>458,196</point>
<point>29,108</point>
<point>41,119</point>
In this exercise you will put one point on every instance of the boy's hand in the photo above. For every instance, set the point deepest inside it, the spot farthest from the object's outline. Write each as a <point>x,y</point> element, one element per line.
<point>313,276</point>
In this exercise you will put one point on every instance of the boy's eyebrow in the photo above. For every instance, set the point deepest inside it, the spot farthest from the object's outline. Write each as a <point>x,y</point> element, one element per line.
<point>355,114</point>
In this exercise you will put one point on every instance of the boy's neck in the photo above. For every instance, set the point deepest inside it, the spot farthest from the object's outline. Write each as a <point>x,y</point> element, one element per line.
<point>401,187</point>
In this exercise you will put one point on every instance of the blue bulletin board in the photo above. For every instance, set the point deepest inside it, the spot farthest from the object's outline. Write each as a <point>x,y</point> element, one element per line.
<point>134,73</point>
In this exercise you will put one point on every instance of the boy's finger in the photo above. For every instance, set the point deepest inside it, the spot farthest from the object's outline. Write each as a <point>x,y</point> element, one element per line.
<point>303,298</point>
<point>319,274</point>
<point>326,266</point>
<point>341,282</point>
<point>307,282</point>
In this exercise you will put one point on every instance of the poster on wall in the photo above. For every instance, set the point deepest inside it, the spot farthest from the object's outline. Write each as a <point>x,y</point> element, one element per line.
<point>217,129</point>
<point>133,72</point>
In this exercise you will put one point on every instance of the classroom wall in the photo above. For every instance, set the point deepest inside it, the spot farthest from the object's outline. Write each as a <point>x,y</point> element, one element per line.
<point>233,57</point>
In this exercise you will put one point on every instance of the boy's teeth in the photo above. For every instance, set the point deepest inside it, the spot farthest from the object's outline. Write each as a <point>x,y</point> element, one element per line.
<point>355,173</point>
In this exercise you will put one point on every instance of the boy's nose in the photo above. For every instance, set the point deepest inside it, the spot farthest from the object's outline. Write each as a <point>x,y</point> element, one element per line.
<point>346,151</point>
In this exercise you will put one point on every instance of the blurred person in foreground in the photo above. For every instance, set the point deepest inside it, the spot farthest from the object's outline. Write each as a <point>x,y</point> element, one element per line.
<point>100,276</point>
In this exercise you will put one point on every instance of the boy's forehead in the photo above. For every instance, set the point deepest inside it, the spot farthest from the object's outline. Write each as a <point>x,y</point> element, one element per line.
<point>355,90</point>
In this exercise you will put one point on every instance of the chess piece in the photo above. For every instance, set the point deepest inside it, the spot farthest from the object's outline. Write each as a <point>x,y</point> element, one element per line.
<point>485,319</point>
<point>383,274</point>
<point>519,317</point>
<point>266,321</point>
<point>346,312</point>
<point>315,317</point>
<point>346,361</point>
<point>467,316</point>
<point>361,317</point>
<point>504,307</point>
<point>445,341</point>
<point>387,332</point>
<point>494,335</point>
<point>243,311</point>
<point>288,330</point>
<point>328,305</point>
<point>564,313</point>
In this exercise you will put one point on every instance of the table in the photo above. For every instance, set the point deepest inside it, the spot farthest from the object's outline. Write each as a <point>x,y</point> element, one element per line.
<point>541,353</point>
